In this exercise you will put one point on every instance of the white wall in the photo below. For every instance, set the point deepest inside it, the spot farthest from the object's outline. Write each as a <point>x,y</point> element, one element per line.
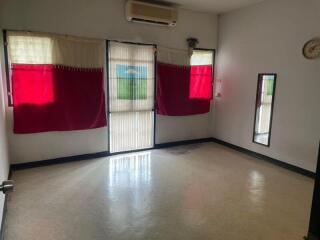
<point>4,162</point>
<point>101,19</point>
<point>269,37</point>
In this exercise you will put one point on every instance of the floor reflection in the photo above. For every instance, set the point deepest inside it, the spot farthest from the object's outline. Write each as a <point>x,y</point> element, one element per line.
<point>210,193</point>
<point>130,170</point>
<point>194,205</point>
<point>256,188</point>
<point>129,190</point>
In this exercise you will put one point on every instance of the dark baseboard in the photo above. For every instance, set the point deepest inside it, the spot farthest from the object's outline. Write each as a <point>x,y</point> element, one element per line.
<point>10,173</point>
<point>48,162</point>
<point>42,163</point>
<point>130,151</point>
<point>20,166</point>
<point>179,143</point>
<point>268,159</point>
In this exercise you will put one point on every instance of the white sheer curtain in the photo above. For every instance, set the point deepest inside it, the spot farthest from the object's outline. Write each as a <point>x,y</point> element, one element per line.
<point>201,57</point>
<point>131,96</point>
<point>46,48</point>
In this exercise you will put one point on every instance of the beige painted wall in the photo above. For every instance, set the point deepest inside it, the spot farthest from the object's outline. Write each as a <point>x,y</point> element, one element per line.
<point>266,37</point>
<point>101,19</point>
<point>269,37</point>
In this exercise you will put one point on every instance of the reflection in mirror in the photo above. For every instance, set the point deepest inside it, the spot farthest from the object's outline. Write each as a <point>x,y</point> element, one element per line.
<point>264,108</point>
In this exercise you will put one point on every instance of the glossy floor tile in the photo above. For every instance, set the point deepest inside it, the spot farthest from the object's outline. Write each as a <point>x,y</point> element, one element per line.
<point>202,191</point>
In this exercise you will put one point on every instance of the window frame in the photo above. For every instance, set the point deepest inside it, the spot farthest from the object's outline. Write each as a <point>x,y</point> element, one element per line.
<point>260,78</point>
<point>7,69</point>
<point>108,112</point>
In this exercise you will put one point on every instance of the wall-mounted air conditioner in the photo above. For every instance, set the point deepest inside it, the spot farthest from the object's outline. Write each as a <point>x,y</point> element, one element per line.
<point>144,12</point>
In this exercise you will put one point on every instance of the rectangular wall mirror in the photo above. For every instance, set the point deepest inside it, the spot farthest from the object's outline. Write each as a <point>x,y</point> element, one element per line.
<point>264,108</point>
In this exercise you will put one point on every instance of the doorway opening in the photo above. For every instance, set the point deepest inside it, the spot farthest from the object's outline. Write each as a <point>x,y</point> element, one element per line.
<point>131,91</point>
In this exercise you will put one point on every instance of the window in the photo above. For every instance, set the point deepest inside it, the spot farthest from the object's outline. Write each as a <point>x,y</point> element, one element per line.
<point>201,75</point>
<point>184,85</point>
<point>56,82</point>
<point>264,108</point>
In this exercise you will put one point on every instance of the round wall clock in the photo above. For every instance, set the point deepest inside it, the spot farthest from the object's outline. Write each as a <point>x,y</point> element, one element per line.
<point>311,49</point>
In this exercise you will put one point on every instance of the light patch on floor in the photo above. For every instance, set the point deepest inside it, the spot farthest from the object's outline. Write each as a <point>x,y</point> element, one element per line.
<point>206,192</point>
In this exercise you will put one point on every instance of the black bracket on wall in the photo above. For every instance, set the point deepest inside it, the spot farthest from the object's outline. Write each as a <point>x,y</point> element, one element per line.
<point>192,42</point>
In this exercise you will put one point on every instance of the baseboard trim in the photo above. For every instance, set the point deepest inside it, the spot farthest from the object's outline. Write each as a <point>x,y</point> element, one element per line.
<point>260,156</point>
<point>42,163</point>
<point>279,163</point>
<point>180,143</point>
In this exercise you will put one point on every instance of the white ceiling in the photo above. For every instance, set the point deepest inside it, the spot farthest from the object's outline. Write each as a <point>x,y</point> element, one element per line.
<point>214,6</point>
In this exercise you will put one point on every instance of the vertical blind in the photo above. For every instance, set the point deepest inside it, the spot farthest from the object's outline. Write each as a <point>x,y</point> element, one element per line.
<point>131,96</point>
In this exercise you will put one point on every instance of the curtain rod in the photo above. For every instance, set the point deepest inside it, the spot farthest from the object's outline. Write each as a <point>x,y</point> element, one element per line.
<point>174,49</point>
<point>154,44</point>
<point>116,40</point>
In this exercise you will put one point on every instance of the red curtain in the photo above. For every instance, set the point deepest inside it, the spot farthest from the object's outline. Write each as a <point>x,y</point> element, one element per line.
<point>201,82</point>
<point>182,90</point>
<point>53,98</point>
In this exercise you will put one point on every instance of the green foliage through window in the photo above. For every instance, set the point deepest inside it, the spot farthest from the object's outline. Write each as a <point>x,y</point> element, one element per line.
<point>131,82</point>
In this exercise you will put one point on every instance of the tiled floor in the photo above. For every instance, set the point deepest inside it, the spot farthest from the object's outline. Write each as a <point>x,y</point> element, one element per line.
<point>196,192</point>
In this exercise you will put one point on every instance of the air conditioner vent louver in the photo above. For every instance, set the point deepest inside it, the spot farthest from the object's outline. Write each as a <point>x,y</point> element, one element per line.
<point>148,21</point>
<point>151,13</point>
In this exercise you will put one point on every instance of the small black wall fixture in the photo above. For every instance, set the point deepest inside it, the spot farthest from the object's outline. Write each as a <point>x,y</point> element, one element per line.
<point>192,44</point>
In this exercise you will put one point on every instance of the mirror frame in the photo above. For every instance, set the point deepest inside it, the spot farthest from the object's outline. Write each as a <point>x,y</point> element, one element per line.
<point>260,78</point>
